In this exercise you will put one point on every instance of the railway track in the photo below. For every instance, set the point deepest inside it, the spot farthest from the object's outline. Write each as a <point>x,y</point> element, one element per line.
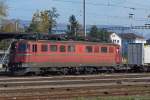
<point>69,87</point>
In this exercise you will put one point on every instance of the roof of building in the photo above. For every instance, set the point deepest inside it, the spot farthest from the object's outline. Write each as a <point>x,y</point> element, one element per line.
<point>130,36</point>
<point>148,41</point>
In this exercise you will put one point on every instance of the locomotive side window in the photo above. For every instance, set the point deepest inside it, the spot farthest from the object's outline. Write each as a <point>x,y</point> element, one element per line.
<point>34,48</point>
<point>53,48</point>
<point>22,47</point>
<point>71,48</point>
<point>96,49</point>
<point>111,49</point>
<point>89,49</point>
<point>44,48</point>
<point>104,49</point>
<point>62,48</point>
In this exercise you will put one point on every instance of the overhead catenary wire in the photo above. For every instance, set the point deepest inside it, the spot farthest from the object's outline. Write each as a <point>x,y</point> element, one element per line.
<point>89,3</point>
<point>95,14</point>
<point>99,4</point>
<point>106,5</point>
<point>116,17</point>
<point>109,4</point>
<point>108,16</point>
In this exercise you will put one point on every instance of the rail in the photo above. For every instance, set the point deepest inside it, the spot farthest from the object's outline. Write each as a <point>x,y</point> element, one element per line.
<point>73,87</point>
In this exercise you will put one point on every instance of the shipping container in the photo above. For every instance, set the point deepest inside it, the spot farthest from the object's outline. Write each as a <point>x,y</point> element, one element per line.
<point>138,54</point>
<point>147,54</point>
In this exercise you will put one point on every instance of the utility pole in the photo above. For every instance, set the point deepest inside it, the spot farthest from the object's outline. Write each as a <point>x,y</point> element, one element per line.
<point>84,18</point>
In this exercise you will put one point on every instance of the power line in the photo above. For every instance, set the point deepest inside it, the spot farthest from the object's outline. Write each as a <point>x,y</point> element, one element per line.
<point>94,4</point>
<point>139,4</point>
<point>116,17</point>
<point>106,5</point>
<point>113,17</point>
<point>95,14</point>
<point>89,3</point>
<point>22,9</point>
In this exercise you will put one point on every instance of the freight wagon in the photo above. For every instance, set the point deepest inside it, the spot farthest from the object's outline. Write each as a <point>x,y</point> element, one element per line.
<point>138,54</point>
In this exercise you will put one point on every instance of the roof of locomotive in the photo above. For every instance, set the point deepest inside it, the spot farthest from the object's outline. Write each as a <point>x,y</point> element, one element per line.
<point>65,42</point>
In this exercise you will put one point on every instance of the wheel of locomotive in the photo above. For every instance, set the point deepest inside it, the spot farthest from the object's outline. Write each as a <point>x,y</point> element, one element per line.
<point>111,70</point>
<point>136,69</point>
<point>77,71</point>
<point>65,71</point>
<point>31,74</point>
<point>90,70</point>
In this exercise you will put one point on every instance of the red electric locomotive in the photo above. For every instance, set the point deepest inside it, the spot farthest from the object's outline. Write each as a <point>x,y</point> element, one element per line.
<point>66,57</point>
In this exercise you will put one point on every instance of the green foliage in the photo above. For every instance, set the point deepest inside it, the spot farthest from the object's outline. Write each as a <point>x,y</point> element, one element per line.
<point>35,23</point>
<point>73,26</point>
<point>3,11</point>
<point>116,98</point>
<point>99,34</point>
<point>3,8</point>
<point>94,32</point>
<point>4,44</point>
<point>43,21</point>
<point>53,15</point>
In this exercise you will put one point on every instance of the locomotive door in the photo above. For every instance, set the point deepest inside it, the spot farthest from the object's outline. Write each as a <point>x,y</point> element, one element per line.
<point>117,56</point>
<point>12,52</point>
<point>34,51</point>
<point>80,52</point>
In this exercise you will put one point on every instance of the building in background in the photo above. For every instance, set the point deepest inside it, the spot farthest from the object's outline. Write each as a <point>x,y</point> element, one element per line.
<point>124,39</point>
<point>115,38</point>
<point>148,41</point>
<point>11,26</point>
<point>130,38</point>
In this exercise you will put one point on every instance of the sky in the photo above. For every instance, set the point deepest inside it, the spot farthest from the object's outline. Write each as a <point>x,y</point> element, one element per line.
<point>98,12</point>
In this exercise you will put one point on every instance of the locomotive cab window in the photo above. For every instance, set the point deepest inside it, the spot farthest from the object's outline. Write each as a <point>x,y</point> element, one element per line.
<point>89,49</point>
<point>62,48</point>
<point>44,48</point>
<point>34,48</point>
<point>22,47</point>
<point>71,48</point>
<point>104,49</point>
<point>53,48</point>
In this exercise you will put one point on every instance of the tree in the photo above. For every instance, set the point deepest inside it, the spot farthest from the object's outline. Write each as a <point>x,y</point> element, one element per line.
<point>73,26</point>
<point>44,24</point>
<point>94,31</point>
<point>99,34</point>
<point>43,21</point>
<point>104,35</point>
<point>53,15</point>
<point>3,8</point>
<point>34,23</point>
